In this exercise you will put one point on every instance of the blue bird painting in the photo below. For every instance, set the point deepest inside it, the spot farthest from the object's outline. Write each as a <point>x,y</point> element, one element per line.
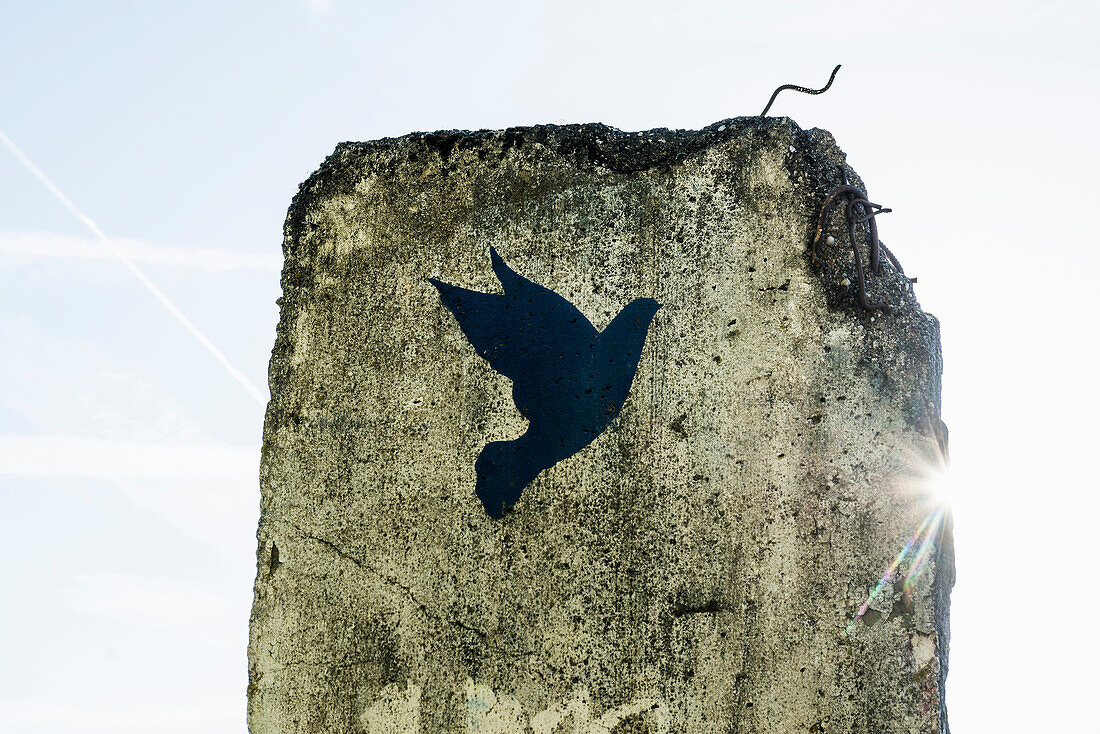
<point>568,379</point>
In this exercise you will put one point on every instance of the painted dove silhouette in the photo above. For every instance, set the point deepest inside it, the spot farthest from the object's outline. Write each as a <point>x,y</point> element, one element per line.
<point>568,380</point>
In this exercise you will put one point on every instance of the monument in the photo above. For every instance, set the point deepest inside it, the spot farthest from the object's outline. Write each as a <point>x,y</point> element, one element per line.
<point>580,430</point>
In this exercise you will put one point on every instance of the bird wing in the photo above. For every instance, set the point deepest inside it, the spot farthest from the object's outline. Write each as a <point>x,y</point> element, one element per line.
<point>521,331</point>
<point>479,316</point>
<point>539,298</point>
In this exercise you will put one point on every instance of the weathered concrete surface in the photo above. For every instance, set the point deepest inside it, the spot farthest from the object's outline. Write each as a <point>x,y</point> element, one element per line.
<point>692,570</point>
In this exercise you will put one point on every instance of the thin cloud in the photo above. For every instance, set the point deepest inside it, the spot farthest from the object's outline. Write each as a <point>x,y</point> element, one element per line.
<point>61,456</point>
<point>184,610</point>
<point>124,715</point>
<point>209,491</point>
<point>55,245</point>
<point>217,512</point>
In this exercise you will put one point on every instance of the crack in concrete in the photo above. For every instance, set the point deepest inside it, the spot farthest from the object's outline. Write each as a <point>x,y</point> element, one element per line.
<point>319,663</point>
<point>391,581</point>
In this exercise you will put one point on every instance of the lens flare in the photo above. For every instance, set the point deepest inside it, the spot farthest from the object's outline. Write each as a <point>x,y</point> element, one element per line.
<point>913,558</point>
<point>941,488</point>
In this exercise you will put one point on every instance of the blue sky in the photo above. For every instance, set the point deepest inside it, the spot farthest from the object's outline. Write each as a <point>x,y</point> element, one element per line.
<point>128,455</point>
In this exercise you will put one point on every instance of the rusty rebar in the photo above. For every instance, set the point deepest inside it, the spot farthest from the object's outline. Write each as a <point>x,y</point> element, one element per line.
<point>859,210</point>
<point>804,90</point>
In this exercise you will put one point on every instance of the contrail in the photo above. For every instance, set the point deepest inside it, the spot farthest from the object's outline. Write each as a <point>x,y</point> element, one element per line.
<point>209,345</point>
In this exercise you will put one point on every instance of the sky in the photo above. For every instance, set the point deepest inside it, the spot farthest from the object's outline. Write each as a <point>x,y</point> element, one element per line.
<point>129,454</point>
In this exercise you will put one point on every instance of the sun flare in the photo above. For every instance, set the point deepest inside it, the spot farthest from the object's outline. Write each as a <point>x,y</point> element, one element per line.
<point>941,488</point>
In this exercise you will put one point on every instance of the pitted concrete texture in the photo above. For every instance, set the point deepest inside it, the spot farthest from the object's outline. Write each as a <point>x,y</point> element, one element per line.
<point>699,565</point>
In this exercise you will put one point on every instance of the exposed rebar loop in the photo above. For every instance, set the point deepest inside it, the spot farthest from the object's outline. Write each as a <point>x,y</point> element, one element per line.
<point>859,211</point>
<point>804,90</point>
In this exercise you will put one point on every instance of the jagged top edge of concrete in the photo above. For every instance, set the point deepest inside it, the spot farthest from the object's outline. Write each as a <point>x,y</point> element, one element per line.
<point>605,146</point>
<point>590,144</point>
